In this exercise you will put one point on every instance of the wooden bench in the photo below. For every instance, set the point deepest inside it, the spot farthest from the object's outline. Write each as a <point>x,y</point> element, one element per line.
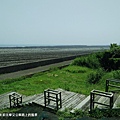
<point>52,95</point>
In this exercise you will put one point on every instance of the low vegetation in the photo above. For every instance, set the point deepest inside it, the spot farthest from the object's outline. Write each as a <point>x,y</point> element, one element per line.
<point>96,114</point>
<point>90,61</point>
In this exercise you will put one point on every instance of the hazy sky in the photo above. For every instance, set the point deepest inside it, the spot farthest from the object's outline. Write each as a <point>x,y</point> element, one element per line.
<point>59,22</point>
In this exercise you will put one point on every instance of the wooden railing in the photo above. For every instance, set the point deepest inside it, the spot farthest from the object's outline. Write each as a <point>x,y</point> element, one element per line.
<point>95,93</point>
<point>52,95</point>
<point>109,83</point>
<point>15,99</point>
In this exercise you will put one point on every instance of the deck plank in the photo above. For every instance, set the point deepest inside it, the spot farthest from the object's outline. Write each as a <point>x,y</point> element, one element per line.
<point>69,99</point>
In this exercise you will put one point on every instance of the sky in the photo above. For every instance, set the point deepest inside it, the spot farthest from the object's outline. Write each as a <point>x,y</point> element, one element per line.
<point>59,22</point>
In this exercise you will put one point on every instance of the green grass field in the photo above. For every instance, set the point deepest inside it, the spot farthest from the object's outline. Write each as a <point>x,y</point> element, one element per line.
<point>72,78</point>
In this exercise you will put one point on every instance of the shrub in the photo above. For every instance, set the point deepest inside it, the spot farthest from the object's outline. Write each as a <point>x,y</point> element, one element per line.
<point>94,77</point>
<point>110,60</point>
<point>100,113</point>
<point>114,63</point>
<point>90,61</point>
<point>64,114</point>
<point>116,74</point>
<point>96,113</point>
<point>80,113</point>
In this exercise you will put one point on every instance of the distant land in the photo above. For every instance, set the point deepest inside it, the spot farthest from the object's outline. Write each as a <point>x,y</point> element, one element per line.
<point>11,55</point>
<point>53,46</point>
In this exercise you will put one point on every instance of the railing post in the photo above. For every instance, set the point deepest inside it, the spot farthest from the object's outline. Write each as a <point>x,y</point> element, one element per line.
<point>91,101</point>
<point>111,102</point>
<point>13,98</point>
<point>21,99</point>
<point>57,101</point>
<point>17,102</point>
<point>48,98</point>
<point>45,98</point>
<point>10,100</point>
<point>107,85</point>
<point>60,101</point>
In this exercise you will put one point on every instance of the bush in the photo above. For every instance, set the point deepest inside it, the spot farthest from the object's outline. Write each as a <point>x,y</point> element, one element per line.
<point>110,60</point>
<point>96,113</point>
<point>80,113</point>
<point>100,113</point>
<point>90,61</point>
<point>114,63</point>
<point>94,77</point>
<point>116,74</point>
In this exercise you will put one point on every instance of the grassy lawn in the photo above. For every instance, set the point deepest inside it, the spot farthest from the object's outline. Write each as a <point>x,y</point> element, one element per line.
<point>73,78</point>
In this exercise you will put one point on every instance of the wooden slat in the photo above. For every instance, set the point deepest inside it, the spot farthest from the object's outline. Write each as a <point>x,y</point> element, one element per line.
<point>69,99</point>
<point>73,101</point>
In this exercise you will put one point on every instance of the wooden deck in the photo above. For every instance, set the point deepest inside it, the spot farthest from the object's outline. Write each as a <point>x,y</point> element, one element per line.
<point>69,100</point>
<point>4,100</point>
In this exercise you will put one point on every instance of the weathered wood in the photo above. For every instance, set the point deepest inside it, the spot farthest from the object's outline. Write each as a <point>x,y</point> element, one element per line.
<point>69,99</point>
<point>112,85</point>
<point>102,100</point>
<point>117,103</point>
<point>66,96</point>
<point>72,103</point>
<point>4,100</point>
<point>15,99</point>
<point>104,96</point>
<point>54,96</point>
<point>81,104</point>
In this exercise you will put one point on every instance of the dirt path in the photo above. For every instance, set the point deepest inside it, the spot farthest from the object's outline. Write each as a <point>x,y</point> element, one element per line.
<point>33,70</point>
